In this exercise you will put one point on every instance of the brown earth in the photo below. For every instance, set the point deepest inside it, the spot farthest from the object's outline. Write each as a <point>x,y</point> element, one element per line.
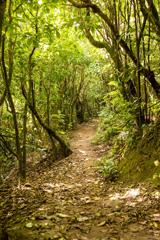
<point>69,200</point>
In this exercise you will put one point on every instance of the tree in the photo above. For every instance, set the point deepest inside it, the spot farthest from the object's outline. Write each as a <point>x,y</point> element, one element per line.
<point>120,28</point>
<point>45,75</point>
<point>2,12</point>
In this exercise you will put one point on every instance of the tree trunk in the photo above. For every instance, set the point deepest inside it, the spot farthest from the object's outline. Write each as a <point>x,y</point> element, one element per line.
<point>147,73</point>
<point>7,79</point>
<point>51,133</point>
<point>2,12</point>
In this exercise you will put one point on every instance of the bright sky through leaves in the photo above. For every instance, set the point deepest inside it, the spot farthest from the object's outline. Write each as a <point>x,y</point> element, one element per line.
<point>40,2</point>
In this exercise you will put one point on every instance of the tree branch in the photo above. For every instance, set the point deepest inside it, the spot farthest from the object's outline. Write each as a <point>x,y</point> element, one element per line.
<point>142,29</point>
<point>66,150</point>
<point>154,15</point>
<point>2,11</point>
<point>146,72</point>
<point>96,43</point>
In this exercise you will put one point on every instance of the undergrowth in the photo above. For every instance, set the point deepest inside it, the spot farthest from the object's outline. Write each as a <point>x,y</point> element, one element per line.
<point>115,129</point>
<point>131,156</point>
<point>108,169</point>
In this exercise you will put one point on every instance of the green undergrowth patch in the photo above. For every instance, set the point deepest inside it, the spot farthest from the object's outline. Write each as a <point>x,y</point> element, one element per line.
<point>108,164</point>
<point>134,151</point>
<point>131,158</point>
<point>108,168</point>
<point>142,162</point>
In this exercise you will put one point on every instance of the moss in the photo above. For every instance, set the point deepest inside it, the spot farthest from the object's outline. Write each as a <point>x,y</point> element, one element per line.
<point>138,163</point>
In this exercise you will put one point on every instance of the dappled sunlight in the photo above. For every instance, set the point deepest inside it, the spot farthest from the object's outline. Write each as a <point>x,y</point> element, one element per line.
<point>43,208</point>
<point>156,194</point>
<point>83,152</point>
<point>51,187</point>
<point>115,196</point>
<point>133,197</point>
<point>129,194</point>
<point>132,193</point>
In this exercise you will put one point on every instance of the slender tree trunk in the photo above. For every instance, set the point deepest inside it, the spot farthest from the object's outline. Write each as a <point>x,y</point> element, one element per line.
<point>2,12</point>
<point>139,110</point>
<point>7,79</point>
<point>24,139</point>
<point>31,92</point>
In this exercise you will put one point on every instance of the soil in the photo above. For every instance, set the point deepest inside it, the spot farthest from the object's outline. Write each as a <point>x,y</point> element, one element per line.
<point>69,200</point>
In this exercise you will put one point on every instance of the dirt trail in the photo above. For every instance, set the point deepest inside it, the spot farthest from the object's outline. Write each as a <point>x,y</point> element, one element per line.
<point>70,201</point>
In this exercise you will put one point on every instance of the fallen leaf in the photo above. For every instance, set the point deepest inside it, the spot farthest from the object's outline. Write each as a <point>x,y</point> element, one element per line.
<point>82,219</point>
<point>101,224</point>
<point>97,198</point>
<point>155,225</point>
<point>98,214</point>
<point>62,215</point>
<point>29,225</point>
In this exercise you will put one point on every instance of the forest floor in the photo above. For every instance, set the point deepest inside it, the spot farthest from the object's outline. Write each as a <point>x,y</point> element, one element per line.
<point>69,200</point>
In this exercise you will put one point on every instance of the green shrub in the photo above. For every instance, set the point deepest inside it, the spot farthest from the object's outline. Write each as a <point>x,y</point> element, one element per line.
<point>108,169</point>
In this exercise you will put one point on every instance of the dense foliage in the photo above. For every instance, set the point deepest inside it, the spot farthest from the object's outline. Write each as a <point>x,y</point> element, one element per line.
<point>49,81</point>
<point>129,31</point>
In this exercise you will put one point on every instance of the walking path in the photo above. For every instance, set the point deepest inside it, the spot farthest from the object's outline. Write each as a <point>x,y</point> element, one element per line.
<point>70,201</point>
